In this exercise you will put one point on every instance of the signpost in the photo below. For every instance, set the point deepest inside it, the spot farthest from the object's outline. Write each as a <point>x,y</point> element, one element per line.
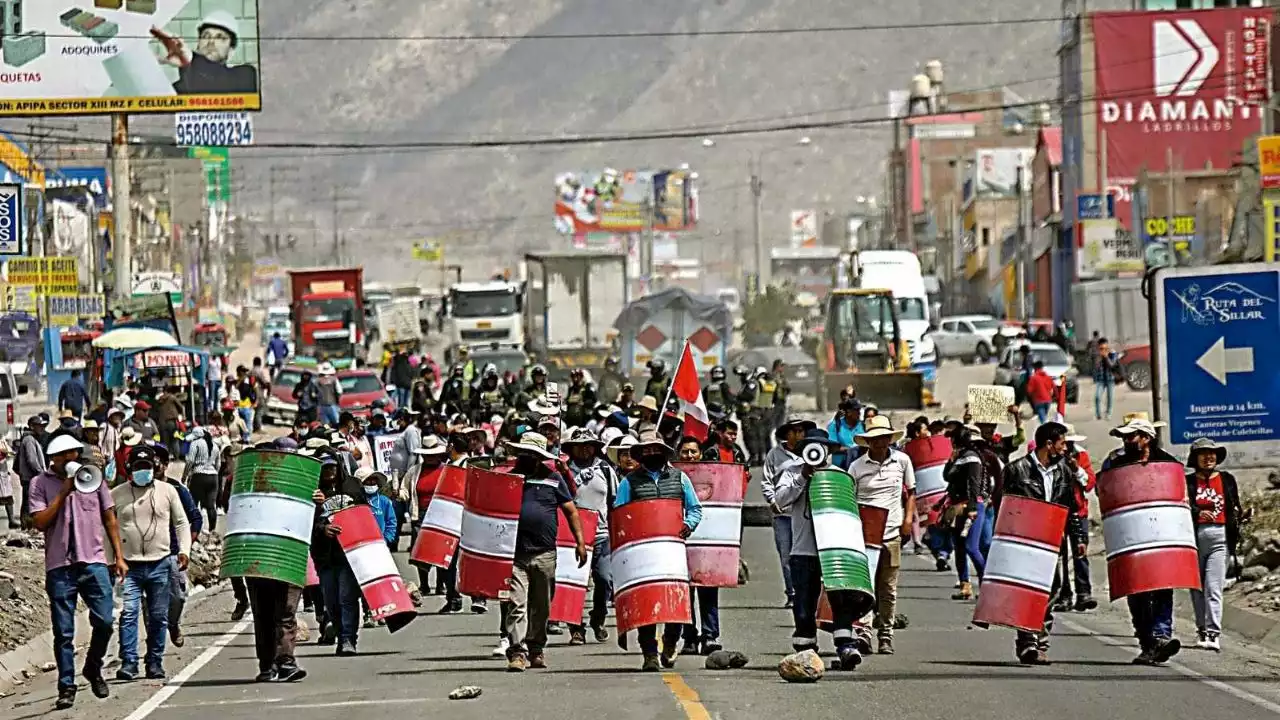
<point>1218,327</point>
<point>1091,207</point>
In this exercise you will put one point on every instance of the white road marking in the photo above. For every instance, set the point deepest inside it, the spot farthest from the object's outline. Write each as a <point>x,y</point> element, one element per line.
<point>359,703</point>
<point>1185,671</point>
<point>166,692</point>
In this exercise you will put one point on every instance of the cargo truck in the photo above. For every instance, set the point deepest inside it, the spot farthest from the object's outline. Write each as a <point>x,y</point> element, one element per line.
<point>398,323</point>
<point>328,316</point>
<point>573,298</point>
<point>484,313</point>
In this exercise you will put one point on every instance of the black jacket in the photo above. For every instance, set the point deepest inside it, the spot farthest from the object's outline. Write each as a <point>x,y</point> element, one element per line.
<point>1023,478</point>
<point>1233,507</point>
<point>967,477</point>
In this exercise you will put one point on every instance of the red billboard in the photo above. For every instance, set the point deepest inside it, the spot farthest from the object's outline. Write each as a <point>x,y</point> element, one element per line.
<point>1192,81</point>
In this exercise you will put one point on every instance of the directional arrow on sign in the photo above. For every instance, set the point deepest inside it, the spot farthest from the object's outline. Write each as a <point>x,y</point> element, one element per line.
<point>1220,361</point>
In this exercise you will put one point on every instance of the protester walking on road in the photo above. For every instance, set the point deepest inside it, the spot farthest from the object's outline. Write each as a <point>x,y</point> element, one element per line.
<point>1216,513</point>
<point>76,522</point>
<point>202,472</point>
<point>30,461</point>
<point>789,435</point>
<point>73,396</point>
<point>1040,391</point>
<point>178,580</point>
<point>329,394</point>
<point>337,581</point>
<point>597,488</point>
<point>1106,368</point>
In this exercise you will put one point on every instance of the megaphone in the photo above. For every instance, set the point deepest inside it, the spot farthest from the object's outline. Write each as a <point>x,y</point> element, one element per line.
<point>87,478</point>
<point>815,455</point>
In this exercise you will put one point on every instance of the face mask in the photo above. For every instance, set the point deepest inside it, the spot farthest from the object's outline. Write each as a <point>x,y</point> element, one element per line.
<point>653,463</point>
<point>370,490</point>
<point>526,462</point>
<point>142,477</point>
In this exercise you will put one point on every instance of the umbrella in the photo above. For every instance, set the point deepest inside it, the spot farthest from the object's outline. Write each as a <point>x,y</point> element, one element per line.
<point>133,338</point>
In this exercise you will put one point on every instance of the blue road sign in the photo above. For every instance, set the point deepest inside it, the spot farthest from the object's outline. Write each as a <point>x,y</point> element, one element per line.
<point>1219,330</point>
<point>1091,207</point>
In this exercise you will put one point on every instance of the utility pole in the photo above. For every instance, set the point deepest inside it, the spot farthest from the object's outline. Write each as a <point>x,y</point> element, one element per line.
<point>122,207</point>
<point>337,200</point>
<point>1170,200</point>
<point>275,173</point>
<point>1024,238</point>
<point>757,192</point>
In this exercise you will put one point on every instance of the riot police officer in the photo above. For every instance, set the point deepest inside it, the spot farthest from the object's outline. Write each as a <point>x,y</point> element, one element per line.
<point>579,398</point>
<point>487,399</point>
<point>717,392</point>
<point>756,423</point>
<point>658,380</point>
<point>455,392</point>
<point>780,396</point>
<point>611,381</point>
<point>536,388</point>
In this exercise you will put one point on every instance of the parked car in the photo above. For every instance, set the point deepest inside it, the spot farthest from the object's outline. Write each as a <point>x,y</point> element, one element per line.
<point>971,337</point>
<point>801,369</point>
<point>1135,365</point>
<point>11,418</point>
<point>1056,363</point>
<point>362,391</point>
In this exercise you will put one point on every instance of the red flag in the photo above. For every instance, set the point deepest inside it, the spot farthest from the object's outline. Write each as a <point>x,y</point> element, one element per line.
<point>685,386</point>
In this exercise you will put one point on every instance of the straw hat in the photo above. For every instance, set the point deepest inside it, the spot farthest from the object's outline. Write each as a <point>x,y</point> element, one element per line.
<point>62,444</point>
<point>795,421</point>
<point>533,442</point>
<point>365,473</point>
<point>543,406</point>
<point>130,437</point>
<point>625,442</point>
<point>1072,436</point>
<point>877,426</point>
<point>1142,415</point>
<point>582,436</point>
<point>325,369</point>
<point>649,402</point>
<point>432,445</point>
<point>1205,444</point>
<point>1135,425</point>
<point>651,438</point>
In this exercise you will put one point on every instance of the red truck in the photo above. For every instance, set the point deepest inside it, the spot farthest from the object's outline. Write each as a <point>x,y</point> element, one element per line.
<point>328,315</point>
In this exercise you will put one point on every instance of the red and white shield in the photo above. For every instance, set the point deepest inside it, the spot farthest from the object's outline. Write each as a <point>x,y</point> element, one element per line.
<point>650,565</point>
<point>1021,564</point>
<point>376,572</point>
<point>715,545</point>
<point>571,581</point>
<point>490,519</point>
<point>1147,528</point>
<point>437,539</point>
<point>929,457</point>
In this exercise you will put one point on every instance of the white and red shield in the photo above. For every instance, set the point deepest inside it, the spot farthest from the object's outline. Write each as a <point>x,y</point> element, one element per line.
<point>650,565</point>
<point>313,577</point>
<point>490,518</point>
<point>1147,528</point>
<point>1021,564</point>
<point>571,581</point>
<point>375,570</point>
<point>715,546</point>
<point>874,521</point>
<point>929,457</point>
<point>437,539</point>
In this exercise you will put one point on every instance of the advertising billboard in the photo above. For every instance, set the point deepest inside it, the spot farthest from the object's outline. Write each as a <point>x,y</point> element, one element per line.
<point>996,170</point>
<point>804,228</point>
<point>613,201</point>
<point>85,57</point>
<point>1187,81</point>
<point>94,179</point>
<point>10,219</point>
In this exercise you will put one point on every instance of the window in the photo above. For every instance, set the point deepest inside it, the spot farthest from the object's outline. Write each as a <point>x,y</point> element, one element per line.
<point>287,379</point>
<point>7,391</point>
<point>362,383</point>
<point>493,303</point>
<point>986,237</point>
<point>910,308</point>
<point>985,324</point>
<point>333,310</point>
<point>951,326</point>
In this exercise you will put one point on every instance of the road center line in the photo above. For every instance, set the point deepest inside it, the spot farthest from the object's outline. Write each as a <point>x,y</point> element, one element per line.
<point>688,698</point>
<point>1238,693</point>
<point>359,703</point>
<point>204,658</point>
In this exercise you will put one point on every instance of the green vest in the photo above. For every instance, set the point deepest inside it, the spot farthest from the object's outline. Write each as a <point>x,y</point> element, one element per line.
<point>574,397</point>
<point>764,393</point>
<point>493,398</point>
<point>715,394</point>
<point>657,387</point>
<point>669,485</point>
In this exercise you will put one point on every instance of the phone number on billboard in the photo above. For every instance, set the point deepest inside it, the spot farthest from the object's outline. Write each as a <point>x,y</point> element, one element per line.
<point>222,131</point>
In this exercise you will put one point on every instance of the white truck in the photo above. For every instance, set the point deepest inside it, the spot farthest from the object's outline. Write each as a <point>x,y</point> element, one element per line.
<point>398,321</point>
<point>486,313</point>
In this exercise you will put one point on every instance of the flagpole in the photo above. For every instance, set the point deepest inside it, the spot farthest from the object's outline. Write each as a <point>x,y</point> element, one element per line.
<point>671,386</point>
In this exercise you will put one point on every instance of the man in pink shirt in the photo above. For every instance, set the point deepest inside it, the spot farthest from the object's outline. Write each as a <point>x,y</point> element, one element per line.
<point>74,522</point>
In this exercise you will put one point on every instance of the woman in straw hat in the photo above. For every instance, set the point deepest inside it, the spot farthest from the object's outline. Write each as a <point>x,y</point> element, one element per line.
<point>1216,513</point>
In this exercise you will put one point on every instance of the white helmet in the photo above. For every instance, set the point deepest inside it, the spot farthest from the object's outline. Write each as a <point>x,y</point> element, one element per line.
<point>226,21</point>
<point>761,371</point>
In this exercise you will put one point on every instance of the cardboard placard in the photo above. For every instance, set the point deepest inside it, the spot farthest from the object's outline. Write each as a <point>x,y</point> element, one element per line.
<point>990,403</point>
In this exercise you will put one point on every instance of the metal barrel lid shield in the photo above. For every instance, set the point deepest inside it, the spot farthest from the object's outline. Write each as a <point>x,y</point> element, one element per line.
<point>375,570</point>
<point>837,528</point>
<point>441,529</point>
<point>929,457</point>
<point>715,546</point>
<point>270,515</point>
<point>650,565</point>
<point>1147,528</point>
<point>490,519</point>
<point>874,521</point>
<point>571,581</point>
<point>1021,564</point>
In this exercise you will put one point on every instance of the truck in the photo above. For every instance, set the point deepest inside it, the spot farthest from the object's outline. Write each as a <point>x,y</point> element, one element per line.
<point>572,300</point>
<point>863,347</point>
<point>807,269</point>
<point>483,313</point>
<point>398,323</point>
<point>328,315</point>
<point>655,327</point>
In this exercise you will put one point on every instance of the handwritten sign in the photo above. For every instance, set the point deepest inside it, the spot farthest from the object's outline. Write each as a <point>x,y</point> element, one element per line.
<point>990,403</point>
<point>166,359</point>
<point>382,447</point>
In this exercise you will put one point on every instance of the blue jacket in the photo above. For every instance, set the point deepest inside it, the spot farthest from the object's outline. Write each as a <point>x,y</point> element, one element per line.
<point>692,507</point>
<point>279,348</point>
<point>384,511</point>
<point>839,431</point>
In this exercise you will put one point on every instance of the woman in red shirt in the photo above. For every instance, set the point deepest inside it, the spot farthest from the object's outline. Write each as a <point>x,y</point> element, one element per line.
<point>432,456</point>
<point>1215,512</point>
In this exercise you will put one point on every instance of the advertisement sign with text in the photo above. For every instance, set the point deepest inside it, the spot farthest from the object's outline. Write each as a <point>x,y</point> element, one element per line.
<point>10,219</point>
<point>1269,161</point>
<point>804,228</point>
<point>94,179</point>
<point>996,170</point>
<point>625,201</point>
<point>1187,81</point>
<point>1107,248</point>
<point>68,57</point>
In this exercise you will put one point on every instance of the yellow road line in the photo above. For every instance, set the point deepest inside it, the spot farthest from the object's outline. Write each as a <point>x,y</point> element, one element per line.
<point>686,696</point>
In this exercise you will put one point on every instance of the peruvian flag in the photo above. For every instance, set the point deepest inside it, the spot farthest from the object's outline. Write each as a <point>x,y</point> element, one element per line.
<point>685,386</point>
<point>1060,390</point>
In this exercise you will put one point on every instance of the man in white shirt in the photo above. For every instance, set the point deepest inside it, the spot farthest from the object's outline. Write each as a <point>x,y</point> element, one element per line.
<point>886,479</point>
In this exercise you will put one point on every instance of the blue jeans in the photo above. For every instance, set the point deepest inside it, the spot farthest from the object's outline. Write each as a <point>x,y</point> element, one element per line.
<point>149,580</point>
<point>342,601</point>
<point>91,582</point>
<point>329,415</point>
<point>246,414</point>
<point>978,542</point>
<point>782,540</point>
<point>1107,386</point>
<point>939,542</point>
<point>601,584</point>
<point>1152,614</point>
<point>402,397</point>
<point>706,612</point>
<point>1042,411</point>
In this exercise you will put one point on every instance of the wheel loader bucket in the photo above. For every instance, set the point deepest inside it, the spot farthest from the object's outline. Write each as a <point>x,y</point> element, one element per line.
<point>885,390</point>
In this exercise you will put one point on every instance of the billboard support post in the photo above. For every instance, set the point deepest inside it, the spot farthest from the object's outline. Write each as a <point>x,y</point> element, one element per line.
<point>122,249</point>
<point>1170,199</point>
<point>1024,240</point>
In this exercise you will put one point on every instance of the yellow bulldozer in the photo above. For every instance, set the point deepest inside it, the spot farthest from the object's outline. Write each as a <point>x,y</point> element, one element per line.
<point>863,349</point>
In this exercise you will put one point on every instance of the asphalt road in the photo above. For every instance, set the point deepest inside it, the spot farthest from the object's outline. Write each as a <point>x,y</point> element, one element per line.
<point>943,667</point>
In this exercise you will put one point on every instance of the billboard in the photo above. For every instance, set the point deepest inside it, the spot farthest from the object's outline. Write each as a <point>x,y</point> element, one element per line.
<point>1269,161</point>
<point>1107,248</point>
<point>94,179</point>
<point>996,170</point>
<point>613,201</point>
<point>69,57</point>
<point>1187,81</point>
<point>10,219</point>
<point>804,228</point>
